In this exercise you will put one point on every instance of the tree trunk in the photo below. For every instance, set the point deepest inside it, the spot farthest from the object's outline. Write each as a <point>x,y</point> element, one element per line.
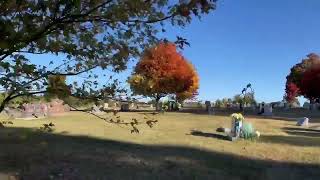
<point>158,108</point>
<point>4,103</point>
<point>2,106</point>
<point>241,107</point>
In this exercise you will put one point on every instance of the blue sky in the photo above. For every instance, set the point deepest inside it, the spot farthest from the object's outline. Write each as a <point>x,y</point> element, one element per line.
<point>251,41</point>
<point>246,41</point>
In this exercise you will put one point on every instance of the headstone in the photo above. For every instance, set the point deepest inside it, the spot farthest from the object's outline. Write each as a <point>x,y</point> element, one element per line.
<point>236,128</point>
<point>29,111</point>
<point>160,106</point>
<point>125,107</point>
<point>105,106</point>
<point>12,112</point>
<point>208,105</point>
<point>303,122</point>
<point>211,111</point>
<point>67,107</point>
<point>96,110</point>
<point>171,105</point>
<point>56,107</point>
<point>261,108</point>
<point>115,106</point>
<point>267,110</point>
<point>224,130</point>
<point>38,110</point>
<point>253,108</point>
<point>286,106</point>
<point>315,106</point>
<point>41,110</point>
<point>132,105</point>
<point>44,109</point>
<point>306,105</point>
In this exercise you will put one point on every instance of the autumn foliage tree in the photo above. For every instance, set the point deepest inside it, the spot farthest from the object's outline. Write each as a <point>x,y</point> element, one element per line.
<point>162,71</point>
<point>310,84</point>
<point>57,87</point>
<point>303,79</point>
<point>86,39</point>
<point>88,34</point>
<point>292,91</point>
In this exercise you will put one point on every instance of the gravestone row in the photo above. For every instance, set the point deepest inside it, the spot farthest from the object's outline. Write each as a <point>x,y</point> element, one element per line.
<point>126,106</point>
<point>38,110</point>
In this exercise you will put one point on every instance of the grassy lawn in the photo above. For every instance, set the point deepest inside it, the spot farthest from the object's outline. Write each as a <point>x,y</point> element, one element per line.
<point>180,146</point>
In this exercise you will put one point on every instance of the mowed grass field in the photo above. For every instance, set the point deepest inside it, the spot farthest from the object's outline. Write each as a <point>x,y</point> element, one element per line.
<point>179,146</point>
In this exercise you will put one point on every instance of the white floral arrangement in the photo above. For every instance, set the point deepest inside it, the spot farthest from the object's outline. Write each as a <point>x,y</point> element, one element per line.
<point>257,133</point>
<point>247,130</point>
<point>237,117</point>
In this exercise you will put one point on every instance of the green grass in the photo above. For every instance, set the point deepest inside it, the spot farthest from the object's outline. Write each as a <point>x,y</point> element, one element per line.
<point>180,146</point>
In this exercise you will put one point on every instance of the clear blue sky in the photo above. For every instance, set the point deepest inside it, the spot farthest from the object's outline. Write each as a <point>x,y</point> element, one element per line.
<point>246,41</point>
<point>251,41</point>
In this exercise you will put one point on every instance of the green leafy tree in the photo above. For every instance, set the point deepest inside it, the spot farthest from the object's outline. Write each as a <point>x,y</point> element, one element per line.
<point>229,101</point>
<point>90,34</point>
<point>246,97</point>
<point>237,99</point>
<point>218,103</point>
<point>224,102</point>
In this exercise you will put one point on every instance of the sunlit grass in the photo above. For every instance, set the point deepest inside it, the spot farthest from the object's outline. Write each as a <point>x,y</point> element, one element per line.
<point>175,129</point>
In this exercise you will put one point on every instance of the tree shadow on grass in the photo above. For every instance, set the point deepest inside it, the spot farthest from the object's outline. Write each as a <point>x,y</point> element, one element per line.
<point>291,140</point>
<point>211,135</point>
<point>302,132</point>
<point>36,155</point>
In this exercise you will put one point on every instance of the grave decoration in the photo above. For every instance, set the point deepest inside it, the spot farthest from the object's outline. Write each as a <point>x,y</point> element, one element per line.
<point>236,125</point>
<point>241,129</point>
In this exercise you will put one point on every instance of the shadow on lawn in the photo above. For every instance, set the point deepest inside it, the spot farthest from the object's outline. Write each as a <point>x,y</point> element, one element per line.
<point>302,132</point>
<point>211,135</point>
<point>291,140</point>
<point>36,155</point>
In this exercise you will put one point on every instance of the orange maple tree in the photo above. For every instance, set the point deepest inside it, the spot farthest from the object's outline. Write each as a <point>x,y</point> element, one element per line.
<point>162,71</point>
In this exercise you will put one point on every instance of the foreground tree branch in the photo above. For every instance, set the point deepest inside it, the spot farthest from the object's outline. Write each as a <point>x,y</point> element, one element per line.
<point>115,119</point>
<point>102,34</point>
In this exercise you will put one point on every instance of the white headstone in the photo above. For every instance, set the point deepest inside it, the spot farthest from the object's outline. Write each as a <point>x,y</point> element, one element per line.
<point>208,106</point>
<point>105,106</point>
<point>303,122</point>
<point>235,130</point>
<point>211,111</point>
<point>267,110</point>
